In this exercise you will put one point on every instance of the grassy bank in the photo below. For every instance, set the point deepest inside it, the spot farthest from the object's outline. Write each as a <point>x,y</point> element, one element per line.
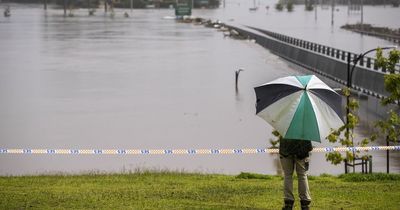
<point>192,191</point>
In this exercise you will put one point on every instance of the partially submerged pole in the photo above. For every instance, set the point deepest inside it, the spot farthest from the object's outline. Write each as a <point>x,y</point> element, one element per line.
<point>315,8</point>
<point>45,4</point>
<point>112,8</point>
<point>65,8</point>
<point>90,10</point>
<point>131,5</point>
<point>362,15</point>
<point>105,6</point>
<point>237,77</point>
<point>333,10</point>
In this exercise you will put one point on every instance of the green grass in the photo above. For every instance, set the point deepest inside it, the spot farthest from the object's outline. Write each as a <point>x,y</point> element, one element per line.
<point>169,190</point>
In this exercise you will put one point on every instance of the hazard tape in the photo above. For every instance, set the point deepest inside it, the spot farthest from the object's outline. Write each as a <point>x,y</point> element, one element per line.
<point>183,151</point>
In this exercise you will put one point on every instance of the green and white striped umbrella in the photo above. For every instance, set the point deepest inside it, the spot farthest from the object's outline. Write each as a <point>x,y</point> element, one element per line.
<point>300,107</point>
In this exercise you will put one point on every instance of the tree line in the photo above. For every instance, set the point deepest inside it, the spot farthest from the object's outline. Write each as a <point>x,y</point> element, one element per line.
<point>120,3</point>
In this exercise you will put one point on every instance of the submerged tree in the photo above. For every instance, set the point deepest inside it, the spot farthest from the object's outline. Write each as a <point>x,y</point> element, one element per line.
<point>308,5</point>
<point>279,6</point>
<point>79,3</point>
<point>289,6</point>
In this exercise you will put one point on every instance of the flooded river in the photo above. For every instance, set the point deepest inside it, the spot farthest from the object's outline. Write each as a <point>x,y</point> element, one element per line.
<point>143,82</point>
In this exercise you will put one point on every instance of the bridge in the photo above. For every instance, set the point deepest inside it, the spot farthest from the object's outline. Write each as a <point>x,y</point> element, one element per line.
<point>324,60</point>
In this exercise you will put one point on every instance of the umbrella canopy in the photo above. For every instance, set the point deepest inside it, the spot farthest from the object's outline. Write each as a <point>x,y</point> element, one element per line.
<point>300,107</point>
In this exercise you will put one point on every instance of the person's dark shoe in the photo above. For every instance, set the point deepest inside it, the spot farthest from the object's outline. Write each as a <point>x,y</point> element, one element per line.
<point>288,205</point>
<point>305,204</point>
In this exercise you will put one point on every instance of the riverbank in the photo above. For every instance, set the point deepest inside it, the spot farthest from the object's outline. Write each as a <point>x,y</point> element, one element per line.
<point>168,190</point>
<point>381,32</point>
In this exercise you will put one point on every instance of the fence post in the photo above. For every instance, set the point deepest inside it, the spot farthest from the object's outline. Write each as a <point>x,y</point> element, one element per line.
<point>375,66</point>
<point>355,57</point>
<point>363,162</point>
<point>387,155</point>
<point>349,62</point>
<point>370,164</point>
<point>368,62</point>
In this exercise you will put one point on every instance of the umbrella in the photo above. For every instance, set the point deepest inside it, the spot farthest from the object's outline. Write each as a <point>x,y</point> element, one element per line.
<point>300,107</point>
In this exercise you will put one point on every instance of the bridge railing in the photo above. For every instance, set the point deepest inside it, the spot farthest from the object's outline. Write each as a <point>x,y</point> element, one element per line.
<point>366,62</point>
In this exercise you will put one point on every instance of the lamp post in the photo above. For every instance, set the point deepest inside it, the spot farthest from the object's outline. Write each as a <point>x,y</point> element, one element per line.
<point>350,71</point>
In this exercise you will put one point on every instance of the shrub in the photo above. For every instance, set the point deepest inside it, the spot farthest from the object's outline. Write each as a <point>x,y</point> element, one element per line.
<point>356,177</point>
<point>245,175</point>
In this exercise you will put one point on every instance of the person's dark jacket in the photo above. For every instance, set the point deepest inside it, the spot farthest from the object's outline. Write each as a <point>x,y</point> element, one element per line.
<point>295,148</point>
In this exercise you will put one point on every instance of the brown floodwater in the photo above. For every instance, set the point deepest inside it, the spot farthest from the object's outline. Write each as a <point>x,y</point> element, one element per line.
<point>143,82</point>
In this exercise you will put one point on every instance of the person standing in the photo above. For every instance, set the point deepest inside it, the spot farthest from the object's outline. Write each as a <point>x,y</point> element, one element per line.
<point>294,155</point>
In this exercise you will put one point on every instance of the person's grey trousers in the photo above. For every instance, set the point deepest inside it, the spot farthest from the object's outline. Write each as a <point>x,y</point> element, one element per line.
<point>289,164</point>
